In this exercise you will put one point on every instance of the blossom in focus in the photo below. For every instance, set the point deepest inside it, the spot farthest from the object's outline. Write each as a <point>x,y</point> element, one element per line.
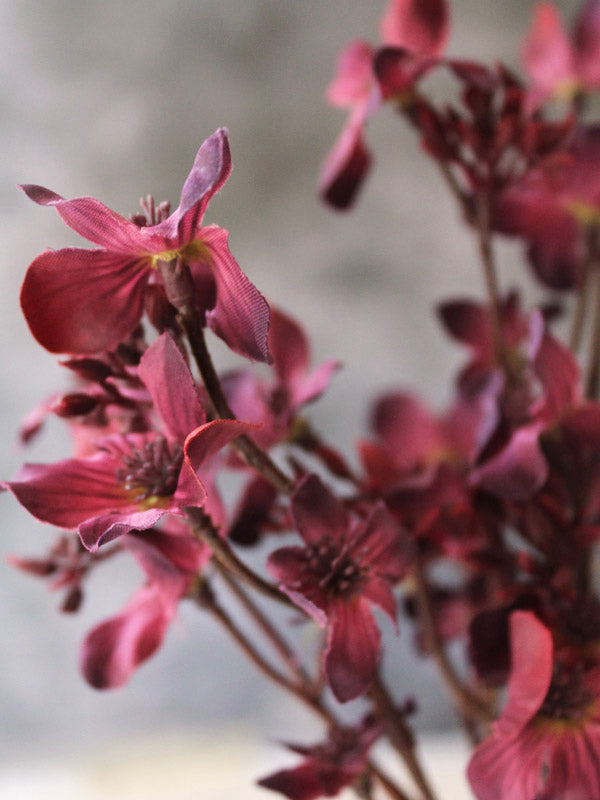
<point>344,566</point>
<point>133,480</point>
<point>546,744</point>
<point>327,768</point>
<point>418,28</point>
<point>86,301</point>
<point>560,64</point>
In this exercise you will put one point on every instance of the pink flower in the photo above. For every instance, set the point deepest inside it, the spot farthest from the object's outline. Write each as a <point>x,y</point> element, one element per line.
<point>559,64</point>
<point>327,768</point>
<point>419,27</point>
<point>546,744</point>
<point>84,301</point>
<point>344,567</point>
<point>133,480</point>
<point>114,649</point>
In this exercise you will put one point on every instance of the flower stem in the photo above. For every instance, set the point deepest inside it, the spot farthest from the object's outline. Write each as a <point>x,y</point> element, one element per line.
<point>273,636</point>
<point>469,704</point>
<point>489,270</point>
<point>247,447</point>
<point>581,297</point>
<point>400,735</point>
<point>203,527</point>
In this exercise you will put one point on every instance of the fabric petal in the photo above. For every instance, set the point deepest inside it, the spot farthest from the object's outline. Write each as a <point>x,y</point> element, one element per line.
<point>354,75</point>
<point>241,314</point>
<point>93,220</point>
<point>114,649</point>
<point>69,492</point>
<point>173,391</point>
<point>352,651</point>
<point>83,301</point>
<point>317,513</point>
<point>586,40</point>
<point>420,26</point>
<point>207,440</point>
<point>103,528</point>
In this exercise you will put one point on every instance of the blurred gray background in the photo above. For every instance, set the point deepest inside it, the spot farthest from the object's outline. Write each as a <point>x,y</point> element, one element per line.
<point>113,99</point>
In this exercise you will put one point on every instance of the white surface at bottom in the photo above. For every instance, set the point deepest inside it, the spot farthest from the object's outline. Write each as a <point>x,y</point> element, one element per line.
<point>223,765</point>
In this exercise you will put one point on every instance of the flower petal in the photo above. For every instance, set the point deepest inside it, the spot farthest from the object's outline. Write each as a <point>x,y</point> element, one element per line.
<point>317,513</point>
<point>241,314</point>
<point>174,393</point>
<point>207,440</point>
<point>83,301</point>
<point>354,74</point>
<point>347,164</point>
<point>92,219</point>
<point>115,648</point>
<point>547,54</point>
<point>103,528</point>
<point>352,649</point>
<point>420,26</point>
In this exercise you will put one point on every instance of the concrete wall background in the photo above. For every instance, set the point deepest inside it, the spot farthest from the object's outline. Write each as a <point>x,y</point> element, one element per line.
<point>112,99</point>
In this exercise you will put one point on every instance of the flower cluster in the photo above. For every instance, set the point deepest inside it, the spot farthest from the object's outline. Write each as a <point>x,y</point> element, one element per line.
<point>482,519</point>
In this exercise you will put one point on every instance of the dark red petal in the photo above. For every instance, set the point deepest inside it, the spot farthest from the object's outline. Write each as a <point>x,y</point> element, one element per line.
<point>93,220</point>
<point>114,649</point>
<point>174,393</point>
<point>83,301</point>
<point>241,314</point>
<point>207,440</point>
<point>352,649</point>
<point>300,783</point>
<point>318,514</point>
<point>586,42</point>
<point>421,26</point>
<point>346,165</point>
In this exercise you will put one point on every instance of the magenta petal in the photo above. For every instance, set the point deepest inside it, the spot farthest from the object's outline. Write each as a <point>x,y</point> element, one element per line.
<point>115,648</point>
<point>168,379</point>
<point>518,471</point>
<point>93,220</point>
<point>587,43</point>
<point>420,26</point>
<point>530,673</point>
<point>207,440</point>
<point>407,427</point>
<point>69,492</point>
<point>318,514</point>
<point>547,53</point>
<point>354,75</point>
<point>103,528</point>
<point>346,165</point>
<point>83,301</point>
<point>468,323</point>
<point>289,347</point>
<point>211,168</point>
<point>379,592</point>
<point>241,314</point>
<point>352,649</point>
<point>298,783</point>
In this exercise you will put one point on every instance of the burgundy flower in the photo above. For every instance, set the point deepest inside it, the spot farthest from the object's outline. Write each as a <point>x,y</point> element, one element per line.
<point>546,744</point>
<point>344,567</point>
<point>84,301</point>
<point>133,480</point>
<point>416,27</point>
<point>559,64</point>
<point>327,768</point>
<point>114,649</point>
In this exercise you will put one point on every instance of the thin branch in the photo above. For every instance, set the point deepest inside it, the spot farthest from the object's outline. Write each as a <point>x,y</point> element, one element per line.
<point>466,701</point>
<point>204,528</point>
<point>400,735</point>
<point>247,447</point>
<point>593,375</point>
<point>386,782</point>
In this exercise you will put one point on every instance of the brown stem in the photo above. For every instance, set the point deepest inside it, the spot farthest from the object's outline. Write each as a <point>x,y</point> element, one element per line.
<point>273,636</point>
<point>593,376</point>
<point>400,735</point>
<point>581,298</point>
<point>206,600</point>
<point>204,528</point>
<point>247,447</point>
<point>466,701</point>
<point>386,782</point>
<point>486,253</point>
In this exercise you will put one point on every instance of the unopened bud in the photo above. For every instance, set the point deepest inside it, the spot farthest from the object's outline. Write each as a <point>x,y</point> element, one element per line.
<point>74,405</point>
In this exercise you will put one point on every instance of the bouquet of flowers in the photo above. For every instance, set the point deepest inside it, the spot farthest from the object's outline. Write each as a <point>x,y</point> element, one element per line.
<point>479,524</point>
